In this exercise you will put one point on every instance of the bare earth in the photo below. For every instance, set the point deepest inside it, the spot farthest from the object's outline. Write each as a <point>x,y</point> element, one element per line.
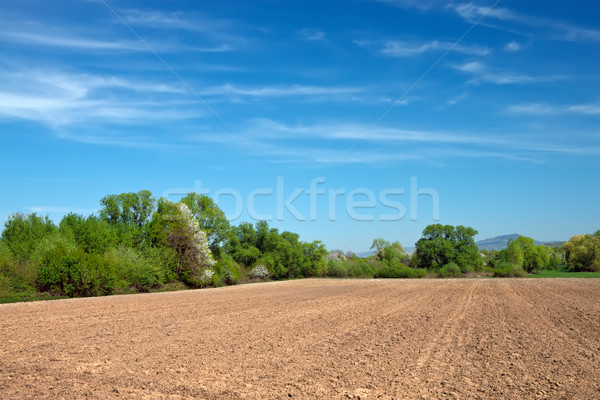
<point>308,339</point>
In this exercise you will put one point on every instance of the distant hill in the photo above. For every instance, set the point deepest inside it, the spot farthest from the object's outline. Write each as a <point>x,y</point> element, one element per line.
<point>496,243</point>
<point>365,254</point>
<point>501,242</point>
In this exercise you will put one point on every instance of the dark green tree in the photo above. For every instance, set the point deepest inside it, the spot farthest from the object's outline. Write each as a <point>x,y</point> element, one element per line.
<point>444,244</point>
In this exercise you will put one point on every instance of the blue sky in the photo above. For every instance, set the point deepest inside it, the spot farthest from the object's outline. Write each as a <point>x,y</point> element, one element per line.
<point>100,98</point>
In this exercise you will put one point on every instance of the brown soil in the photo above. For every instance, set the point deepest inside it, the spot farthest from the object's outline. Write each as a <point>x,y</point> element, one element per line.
<point>309,339</point>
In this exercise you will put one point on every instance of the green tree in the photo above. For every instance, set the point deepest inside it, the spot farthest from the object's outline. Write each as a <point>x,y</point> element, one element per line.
<point>378,245</point>
<point>514,253</point>
<point>523,252</point>
<point>582,253</point>
<point>173,225</point>
<point>211,218</point>
<point>22,233</point>
<point>92,234</point>
<point>134,208</point>
<point>444,244</point>
<point>314,259</point>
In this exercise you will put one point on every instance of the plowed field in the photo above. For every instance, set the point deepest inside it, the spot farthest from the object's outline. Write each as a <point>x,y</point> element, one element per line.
<point>309,339</point>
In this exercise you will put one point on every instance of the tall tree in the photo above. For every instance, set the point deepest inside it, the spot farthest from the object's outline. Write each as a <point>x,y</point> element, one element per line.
<point>134,208</point>
<point>211,218</point>
<point>443,244</point>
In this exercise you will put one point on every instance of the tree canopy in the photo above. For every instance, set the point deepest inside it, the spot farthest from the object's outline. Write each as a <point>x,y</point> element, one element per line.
<point>444,244</point>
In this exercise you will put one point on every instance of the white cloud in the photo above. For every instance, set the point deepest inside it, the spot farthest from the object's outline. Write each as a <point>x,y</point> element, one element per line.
<point>512,46</point>
<point>455,100</point>
<point>554,29</point>
<point>223,32</point>
<point>420,4</point>
<point>483,74</point>
<point>385,144</point>
<point>311,34</point>
<point>543,109</point>
<point>58,98</point>
<point>532,108</point>
<point>587,109</point>
<point>278,90</point>
<point>47,39</point>
<point>399,48</point>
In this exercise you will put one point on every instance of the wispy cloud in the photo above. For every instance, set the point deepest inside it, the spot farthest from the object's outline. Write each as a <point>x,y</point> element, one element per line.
<point>512,46</point>
<point>555,29</point>
<point>58,98</point>
<point>457,99</point>
<point>53,40</point>
<point>481,73</point>
<point>547,109</point>
<point>279,90</point>
<point>387,144</point>
<point>420,4</point>
<point>399,48</point>
<point>311,34</point>
<point>219,30</point>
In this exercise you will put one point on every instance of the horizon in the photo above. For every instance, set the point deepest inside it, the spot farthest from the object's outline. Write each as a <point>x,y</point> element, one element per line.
<point>489,110</point>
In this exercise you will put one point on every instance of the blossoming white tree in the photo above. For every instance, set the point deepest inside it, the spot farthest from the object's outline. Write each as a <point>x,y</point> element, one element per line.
<point>179,230</point>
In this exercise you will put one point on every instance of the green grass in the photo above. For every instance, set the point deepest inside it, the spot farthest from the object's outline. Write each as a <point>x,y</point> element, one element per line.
<point>564,273</point>
<point>33,297</point>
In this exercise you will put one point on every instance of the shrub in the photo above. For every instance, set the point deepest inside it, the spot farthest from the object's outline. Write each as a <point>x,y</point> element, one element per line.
<point>75,273</point>
<point>506,269</point>
<point>404,272</point>
<point>352,268</point>
<point>165,258</point>
<point>259,272</point>
<point>228,270</point>
<point>336,269</point>
<point>450,269</point>
<point>134,270</point>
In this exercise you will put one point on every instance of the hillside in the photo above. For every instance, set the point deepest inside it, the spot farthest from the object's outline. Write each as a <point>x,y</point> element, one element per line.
<point>500,242</point>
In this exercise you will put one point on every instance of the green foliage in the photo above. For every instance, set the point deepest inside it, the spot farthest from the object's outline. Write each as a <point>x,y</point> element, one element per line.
<point>283,254</point>
<point>524,253</point>
<point>353,268</point>
<point>22,233</point>
<point>404,272</point>
<point>514,252</point>
<point>210,217</point>
<point>164,258</point>
<point>391,253</point>
<point>313,259</point>
<point>450,270</point>
<point>127,208</point>
<point>174,226</point>
<point>92,234</point>
<point>133,270</point>
<point>564,273</point>
<point>75,273</point>
<point>582,252</point>
<point>228,271</point>
<point>507,269</point>
<point>443,244</point>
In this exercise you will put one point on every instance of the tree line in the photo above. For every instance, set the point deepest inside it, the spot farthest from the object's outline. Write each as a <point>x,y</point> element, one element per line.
<point>137,243</point>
